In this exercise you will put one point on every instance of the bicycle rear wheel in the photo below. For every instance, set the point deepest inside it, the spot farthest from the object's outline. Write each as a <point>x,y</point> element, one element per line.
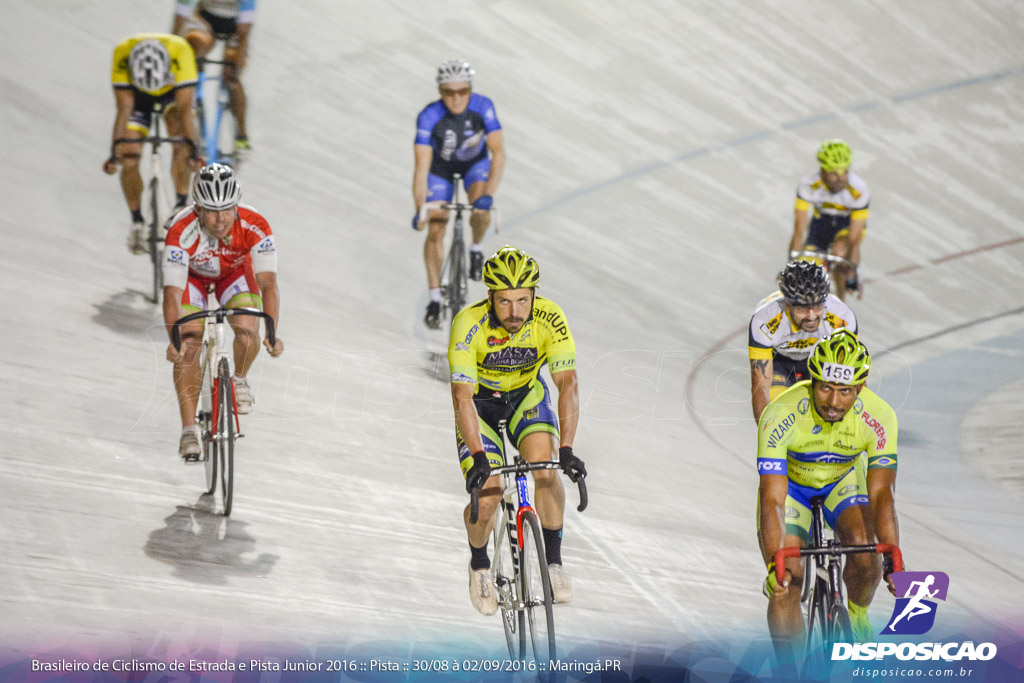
<point>817,654</point>
<point>839,625</point>
<point>227,432</point>
<point>207,399</point>
<point>535,593</point>
<point>155,239</point>
<point>513,620</point>
<point>226,129</point>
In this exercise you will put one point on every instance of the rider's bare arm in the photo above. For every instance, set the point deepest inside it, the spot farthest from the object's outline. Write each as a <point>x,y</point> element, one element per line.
<point>183,100</point>
<point>882,494</point>
<point>801,221</point>
<point>124,98</point>
<point>424,155</point>
<point>496,145</point>
<point>857,226</point>
<point>568,405</point>
<point>760,384</point>
<point>466,416</point>
<point>267,281</point>
<point>771,496</point>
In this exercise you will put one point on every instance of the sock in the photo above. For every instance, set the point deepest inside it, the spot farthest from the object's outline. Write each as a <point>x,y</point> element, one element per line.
<point>182,200</point>
<point>479,560</point>
<point>476,247</point>
<point>553,545</point>
<point>137,216</point>
<point>435,294</point>
<point>857,613</point>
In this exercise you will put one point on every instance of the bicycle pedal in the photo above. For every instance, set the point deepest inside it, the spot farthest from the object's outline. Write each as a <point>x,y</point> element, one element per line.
<point>191,459</point>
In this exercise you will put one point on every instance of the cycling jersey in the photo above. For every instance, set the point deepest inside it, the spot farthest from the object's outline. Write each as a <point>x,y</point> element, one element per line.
<point>183,63</point>
<point>459,141</point>
<point>481,352</point>
<point>794,440</point>
<point>772,332</point>
<point>832,210</point>
<point>192,253</point>
<point>242,11</point>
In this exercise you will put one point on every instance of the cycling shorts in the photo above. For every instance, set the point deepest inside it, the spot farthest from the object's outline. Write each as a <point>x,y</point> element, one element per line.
<point>222,26</point>
<point>441,187</point>
<point>142,111</point>
<point>826,229</point>
<point>237,289</point>
<point>850,490</point>
<point>525,411</point>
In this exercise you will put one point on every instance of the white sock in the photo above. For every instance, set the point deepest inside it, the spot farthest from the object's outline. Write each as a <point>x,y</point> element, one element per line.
<point>476,247</point>
<point>435,294</point>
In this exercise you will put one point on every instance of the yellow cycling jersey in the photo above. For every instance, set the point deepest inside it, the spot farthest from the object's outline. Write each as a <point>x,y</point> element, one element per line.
<point>183,62</point>
<point>481,352</point>
<point>794,440</point>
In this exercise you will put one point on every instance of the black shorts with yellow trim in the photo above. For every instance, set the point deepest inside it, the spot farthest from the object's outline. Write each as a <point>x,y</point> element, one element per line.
<point>523,411</point>
<point>142,111</point>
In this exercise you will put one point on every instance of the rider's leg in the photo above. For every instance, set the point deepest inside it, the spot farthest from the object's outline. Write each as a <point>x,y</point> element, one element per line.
<point>550,493</point>
<point>233,81</point>
<point>863,571</point>
<point>433,248</point>
<point>247,342</point>
<point>785,621</point>
<point>180,172</point>
<point>187,372</point>
<point>479,221</point>
<point>131,177</point>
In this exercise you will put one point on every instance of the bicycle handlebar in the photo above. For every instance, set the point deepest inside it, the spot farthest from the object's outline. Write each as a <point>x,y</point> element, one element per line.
<point>176,140</point>
<point>823,256</point>
<point>439,204</point>
<point>221,313</point>
<point>581,485</point>
<point>884,548</point>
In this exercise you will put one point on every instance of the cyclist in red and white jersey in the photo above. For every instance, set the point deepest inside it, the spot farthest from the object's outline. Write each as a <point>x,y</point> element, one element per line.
<point>228,248</point>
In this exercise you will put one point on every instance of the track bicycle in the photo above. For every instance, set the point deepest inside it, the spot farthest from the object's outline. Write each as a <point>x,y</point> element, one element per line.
<point>156,198</point>
<point>217,411</point>
<point>521,579</point>
<point>821,594</point>
<point>455,271</point>
<point>828,261</point>
<point>218,135</point>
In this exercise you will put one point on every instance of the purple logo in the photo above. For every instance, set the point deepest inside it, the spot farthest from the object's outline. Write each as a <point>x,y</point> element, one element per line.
<point>914,612</point>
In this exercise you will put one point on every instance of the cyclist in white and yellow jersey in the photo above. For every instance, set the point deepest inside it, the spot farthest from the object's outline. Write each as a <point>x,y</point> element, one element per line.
<point>498,346</point>
<point>810,441</point>
<point>785,327</point>
<point>831,213</point>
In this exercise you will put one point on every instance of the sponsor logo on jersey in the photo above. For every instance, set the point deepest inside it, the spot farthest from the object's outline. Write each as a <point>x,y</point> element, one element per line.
<point>834,320</point>
<point>472,331</point>
<point>461,346</point>
<point>470,147</point>
<point>840,445</point>
<point>459,378</point>
<point>554,321</point>
<point>846,490</point>
<point>802,407</point>
<point>792,513</point>
<point>266,246</point>
<point>497,341</point>
<point>176,256</point>
<point>816,429</point>
<point>190,235</point>
<point>562,365</point>
<point>781,428</point>
<point>766,466</point>
<point>510,359</point>
<point>451,141</point>
<point>772,326</point>
<point>875,426</point>
<point>801,343</point>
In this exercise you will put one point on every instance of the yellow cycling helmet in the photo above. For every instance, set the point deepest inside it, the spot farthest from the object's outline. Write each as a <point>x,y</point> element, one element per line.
<point>511,268</point>
<point>835,155</point>
<point>840,358</point>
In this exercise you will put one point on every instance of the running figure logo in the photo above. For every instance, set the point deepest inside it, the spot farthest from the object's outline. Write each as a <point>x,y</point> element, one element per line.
<point>914,613</point>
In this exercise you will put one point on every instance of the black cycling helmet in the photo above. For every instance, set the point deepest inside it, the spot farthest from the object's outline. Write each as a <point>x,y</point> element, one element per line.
<point>803,283</point>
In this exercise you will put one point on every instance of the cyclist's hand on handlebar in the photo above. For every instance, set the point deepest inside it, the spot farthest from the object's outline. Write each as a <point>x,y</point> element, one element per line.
<point>110,165</point>
<point>479,473</point>
<point>173,354</point>
<point>771,584</point>
<point>196,163</point>
<point>571,465</point>
<point>483,203</point>
<point>887,569</point>
<point>277,349</point>
<point>416,222</point>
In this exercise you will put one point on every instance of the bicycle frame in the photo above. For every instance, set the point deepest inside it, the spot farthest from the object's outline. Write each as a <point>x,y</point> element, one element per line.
<point>211,134</point>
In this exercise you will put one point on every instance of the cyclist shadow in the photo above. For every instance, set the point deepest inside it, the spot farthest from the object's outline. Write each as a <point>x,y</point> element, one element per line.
<point>128,312</point>
<point>205,547</point>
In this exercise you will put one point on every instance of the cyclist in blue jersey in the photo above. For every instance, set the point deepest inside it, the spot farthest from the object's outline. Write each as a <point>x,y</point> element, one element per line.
<point>455,135</point>
<point>198,21</point>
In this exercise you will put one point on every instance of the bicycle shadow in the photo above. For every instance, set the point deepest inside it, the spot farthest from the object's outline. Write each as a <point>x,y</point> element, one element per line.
<point>205,547</point>
<point>129,313</point>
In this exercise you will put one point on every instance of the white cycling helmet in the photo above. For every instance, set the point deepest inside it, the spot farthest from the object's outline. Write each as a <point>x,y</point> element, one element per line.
<point>454,71</point>
<point>216,188</point>
<point>149,65</point>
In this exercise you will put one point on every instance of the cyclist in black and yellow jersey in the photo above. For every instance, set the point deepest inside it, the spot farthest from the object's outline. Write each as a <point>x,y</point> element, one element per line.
<point>810,441</point>
<point>498,346</point>
<point>152,71</point>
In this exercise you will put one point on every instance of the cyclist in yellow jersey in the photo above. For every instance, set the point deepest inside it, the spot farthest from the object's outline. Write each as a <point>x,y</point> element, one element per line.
<point>152,71</point>
<point>831,213</point>
<point>497,349</point>
<point>810,441</point>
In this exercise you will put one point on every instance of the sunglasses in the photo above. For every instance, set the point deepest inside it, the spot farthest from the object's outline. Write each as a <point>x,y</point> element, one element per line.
<point>449,92</point>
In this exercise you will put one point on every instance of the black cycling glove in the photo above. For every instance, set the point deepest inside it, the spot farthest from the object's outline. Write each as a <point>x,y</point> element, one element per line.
<point>571,465</point>
<point>479,473</point>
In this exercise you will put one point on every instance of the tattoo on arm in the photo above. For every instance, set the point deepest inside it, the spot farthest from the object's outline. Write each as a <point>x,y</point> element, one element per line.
<point>760,366</point>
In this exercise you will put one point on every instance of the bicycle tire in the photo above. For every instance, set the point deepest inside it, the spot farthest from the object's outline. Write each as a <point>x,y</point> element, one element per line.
<point>817,649</point>
<point>226,130</point>
<point>227,446</point>
<point>535,592</point>
<point>200,113</point>
<point>513,620</point>
<point>839,622</point>
<point>207,399</point>
<point>154,238</point>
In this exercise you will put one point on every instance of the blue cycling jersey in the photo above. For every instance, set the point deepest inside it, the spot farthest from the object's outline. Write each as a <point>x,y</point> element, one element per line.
<point>458,140</point>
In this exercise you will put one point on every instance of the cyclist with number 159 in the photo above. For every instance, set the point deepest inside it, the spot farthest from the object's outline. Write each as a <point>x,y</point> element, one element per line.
<point>497,349</point>
<point>228,249</point>
<point>810,441</point>
<point>457,134</point>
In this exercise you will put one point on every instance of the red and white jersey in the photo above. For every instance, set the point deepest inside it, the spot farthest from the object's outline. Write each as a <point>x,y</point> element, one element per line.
<point>191,250</point>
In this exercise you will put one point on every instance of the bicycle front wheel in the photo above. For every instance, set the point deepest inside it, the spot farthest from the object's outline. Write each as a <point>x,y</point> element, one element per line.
<point>227,433</point>
<point>817,649</point>
<point>839,624</point>
<point>207,400</point>
<point>513,619</point>
<point>155,239</point>
<point>535,593</point>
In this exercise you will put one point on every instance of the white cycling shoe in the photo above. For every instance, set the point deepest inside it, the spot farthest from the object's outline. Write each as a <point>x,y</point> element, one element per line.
<point>190,446</point>
<point>137,239</point>
<point>481,591</point>
<point>561,583</point>
<point>243,396</point>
